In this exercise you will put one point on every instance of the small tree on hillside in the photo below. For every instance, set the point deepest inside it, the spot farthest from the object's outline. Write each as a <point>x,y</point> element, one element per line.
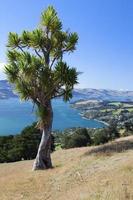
<point>37,70</point>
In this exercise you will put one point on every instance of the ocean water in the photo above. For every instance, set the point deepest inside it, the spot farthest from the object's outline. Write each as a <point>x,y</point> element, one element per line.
<point>15,115</point>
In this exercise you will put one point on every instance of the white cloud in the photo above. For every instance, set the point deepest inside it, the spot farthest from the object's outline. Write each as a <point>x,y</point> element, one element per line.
<point>2,74</point>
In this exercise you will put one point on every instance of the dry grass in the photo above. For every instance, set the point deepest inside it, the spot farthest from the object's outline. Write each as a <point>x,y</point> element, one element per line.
<point>117,146</point>
<point>77,175</point>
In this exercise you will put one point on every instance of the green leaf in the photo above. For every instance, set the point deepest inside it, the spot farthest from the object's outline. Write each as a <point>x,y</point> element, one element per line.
<point>35,61</point>
<point>13,40</point>
<point>50,20</point>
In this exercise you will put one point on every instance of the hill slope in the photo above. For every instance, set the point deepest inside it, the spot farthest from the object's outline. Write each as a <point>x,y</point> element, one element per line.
<point>88,93</point>
<point>6,90</point>
<point>78,174</point>
<point>103,94</point>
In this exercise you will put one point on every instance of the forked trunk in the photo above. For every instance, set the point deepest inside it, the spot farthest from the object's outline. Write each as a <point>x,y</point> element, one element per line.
<point>43,158</point>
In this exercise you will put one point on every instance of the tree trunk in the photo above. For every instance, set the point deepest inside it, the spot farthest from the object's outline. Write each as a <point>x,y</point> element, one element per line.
<point>43,158</point>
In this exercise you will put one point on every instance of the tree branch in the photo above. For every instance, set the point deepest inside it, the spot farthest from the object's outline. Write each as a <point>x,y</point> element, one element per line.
<point>53,62</point>
<point>43,51</point>
<point>21,49</point>
<point>38,54</point>
<point>59,95</point>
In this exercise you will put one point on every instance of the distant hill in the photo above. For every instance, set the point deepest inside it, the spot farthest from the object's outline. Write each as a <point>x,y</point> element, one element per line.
<point>103,94</point>
<point>79,94</point>
<point>6,90</point>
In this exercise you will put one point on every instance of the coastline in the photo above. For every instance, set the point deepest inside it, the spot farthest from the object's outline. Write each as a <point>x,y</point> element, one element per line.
<point>101,122</point>
<point>105,123</point>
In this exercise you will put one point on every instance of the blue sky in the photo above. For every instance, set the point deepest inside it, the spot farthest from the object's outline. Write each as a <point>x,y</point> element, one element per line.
<point>105,28</point>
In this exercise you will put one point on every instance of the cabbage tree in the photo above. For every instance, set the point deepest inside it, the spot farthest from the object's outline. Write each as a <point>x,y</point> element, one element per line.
<point>37,69</point>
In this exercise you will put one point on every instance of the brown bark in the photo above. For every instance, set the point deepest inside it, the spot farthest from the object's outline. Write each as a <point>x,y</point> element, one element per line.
<point>43,158</point>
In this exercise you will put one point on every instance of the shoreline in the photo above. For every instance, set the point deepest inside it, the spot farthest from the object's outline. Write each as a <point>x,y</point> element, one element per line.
<point>105,123</point>
<point>101,122</point>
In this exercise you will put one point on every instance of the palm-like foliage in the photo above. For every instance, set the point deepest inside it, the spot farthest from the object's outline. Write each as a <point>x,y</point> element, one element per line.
<point>35,58</point>
<point>38,72</point>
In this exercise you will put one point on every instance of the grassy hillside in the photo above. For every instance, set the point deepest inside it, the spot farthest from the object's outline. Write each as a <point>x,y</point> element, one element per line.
<point>90,173</point>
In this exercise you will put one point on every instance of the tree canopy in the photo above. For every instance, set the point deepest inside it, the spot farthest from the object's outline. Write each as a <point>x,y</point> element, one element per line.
<point>35,60</point>
<point>37,69</point>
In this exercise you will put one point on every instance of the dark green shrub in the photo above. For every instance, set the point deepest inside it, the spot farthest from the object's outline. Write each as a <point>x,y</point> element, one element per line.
<point>14,154</point>
<point>64,140</point>
<point>100,137</point>
<point>112,131</point>
<point>128,126</point>
<point>78,138</point>
<point>23,146</point>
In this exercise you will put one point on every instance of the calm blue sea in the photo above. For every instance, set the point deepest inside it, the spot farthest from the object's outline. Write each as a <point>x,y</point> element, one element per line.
<point>15,115</point>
